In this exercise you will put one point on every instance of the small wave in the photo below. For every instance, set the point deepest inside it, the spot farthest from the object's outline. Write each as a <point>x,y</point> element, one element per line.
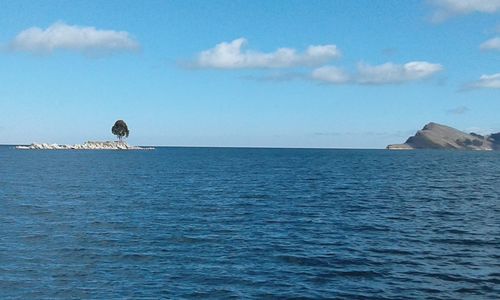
<point>359,273</point>
<point>304,261</point>
<point>466,242</point>
<point>391,251</point>
<point>452,277</point>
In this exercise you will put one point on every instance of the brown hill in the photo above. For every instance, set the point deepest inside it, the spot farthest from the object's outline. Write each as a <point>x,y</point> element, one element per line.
<point>437,136</point>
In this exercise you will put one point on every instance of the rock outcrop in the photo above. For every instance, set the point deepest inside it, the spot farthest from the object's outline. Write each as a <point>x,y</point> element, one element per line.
<point>86,146</point>
<point>437,136</point>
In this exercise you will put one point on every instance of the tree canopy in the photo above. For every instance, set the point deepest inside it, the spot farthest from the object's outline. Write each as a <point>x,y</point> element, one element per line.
<point>120,129</point>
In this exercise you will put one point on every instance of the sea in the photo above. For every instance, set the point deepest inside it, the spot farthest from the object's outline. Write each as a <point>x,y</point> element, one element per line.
<point>243,223</point>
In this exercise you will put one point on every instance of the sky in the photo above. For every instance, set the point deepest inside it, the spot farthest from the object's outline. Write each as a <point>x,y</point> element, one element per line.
<point>327,74</point>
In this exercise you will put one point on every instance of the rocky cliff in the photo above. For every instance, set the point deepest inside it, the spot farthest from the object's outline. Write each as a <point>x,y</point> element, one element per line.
<point>85,146</point>
<point>437,136</point>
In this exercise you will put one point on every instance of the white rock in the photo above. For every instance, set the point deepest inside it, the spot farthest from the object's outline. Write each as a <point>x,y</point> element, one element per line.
<point>90,145</point>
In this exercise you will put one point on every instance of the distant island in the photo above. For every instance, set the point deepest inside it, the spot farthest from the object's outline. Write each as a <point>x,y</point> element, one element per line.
<point>120,129</point>
<point>437,136</point>
<point>108,145</point>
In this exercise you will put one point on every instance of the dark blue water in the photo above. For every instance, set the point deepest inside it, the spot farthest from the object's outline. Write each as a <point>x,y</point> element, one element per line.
<point>249,223</point>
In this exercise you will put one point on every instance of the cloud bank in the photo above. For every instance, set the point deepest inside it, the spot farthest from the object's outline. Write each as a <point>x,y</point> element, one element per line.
<point>449,8</point>
<point>491,44</point>
<point>486,82</point>
<point>388,73</point>
<point>233,55</point>
<point>59,35</point>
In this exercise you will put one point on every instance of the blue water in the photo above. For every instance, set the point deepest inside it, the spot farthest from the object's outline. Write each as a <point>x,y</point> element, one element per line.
<point>208,223</point>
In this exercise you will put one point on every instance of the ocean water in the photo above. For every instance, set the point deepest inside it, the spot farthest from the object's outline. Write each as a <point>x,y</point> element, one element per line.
<point>215,223</point>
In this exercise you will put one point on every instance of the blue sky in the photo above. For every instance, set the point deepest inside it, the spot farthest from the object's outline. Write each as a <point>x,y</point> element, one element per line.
<point>355,74</point>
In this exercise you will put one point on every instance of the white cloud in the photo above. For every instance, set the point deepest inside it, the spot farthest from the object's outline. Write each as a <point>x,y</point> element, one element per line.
<point>491,44</point>
<point>232,55</point>
<point>486,82</point>
<point>393,73</point>
<point>449,8</point>
<point>388,73</point>
<point>330,74</point>
<point>70,37</point>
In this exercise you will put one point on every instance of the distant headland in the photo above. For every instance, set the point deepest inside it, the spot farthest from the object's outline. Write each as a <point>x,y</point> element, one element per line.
<point>437,136</point>
<point>120,129</point>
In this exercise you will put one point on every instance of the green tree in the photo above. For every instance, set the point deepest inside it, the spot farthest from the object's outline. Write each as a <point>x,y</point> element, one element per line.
<point>120,129</point>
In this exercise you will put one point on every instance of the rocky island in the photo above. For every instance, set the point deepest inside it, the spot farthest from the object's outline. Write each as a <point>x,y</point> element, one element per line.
<point>119,145</point>
<point>437,136</point>
<point>120,129</point>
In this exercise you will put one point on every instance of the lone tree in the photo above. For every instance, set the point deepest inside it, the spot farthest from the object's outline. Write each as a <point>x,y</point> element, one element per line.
<point>120,129</point>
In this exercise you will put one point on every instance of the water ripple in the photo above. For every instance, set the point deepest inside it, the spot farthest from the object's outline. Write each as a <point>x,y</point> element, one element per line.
<point>249,223</point>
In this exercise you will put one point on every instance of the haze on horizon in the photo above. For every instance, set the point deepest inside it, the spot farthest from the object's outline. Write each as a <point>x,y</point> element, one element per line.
<point>333,74</point>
